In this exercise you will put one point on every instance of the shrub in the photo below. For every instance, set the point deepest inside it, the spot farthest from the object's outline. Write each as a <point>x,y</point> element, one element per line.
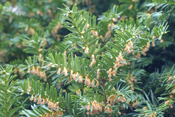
<point>80,65</point>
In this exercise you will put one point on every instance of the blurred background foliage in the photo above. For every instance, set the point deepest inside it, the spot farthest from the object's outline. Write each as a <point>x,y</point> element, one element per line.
<point>21,19</point>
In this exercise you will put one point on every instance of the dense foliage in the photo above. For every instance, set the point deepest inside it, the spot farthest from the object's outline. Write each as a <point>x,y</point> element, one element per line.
<point>81,58</point>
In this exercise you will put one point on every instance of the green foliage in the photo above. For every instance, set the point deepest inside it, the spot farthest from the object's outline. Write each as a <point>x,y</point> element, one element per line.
<point>74,62</point>
<point>8,97</point>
